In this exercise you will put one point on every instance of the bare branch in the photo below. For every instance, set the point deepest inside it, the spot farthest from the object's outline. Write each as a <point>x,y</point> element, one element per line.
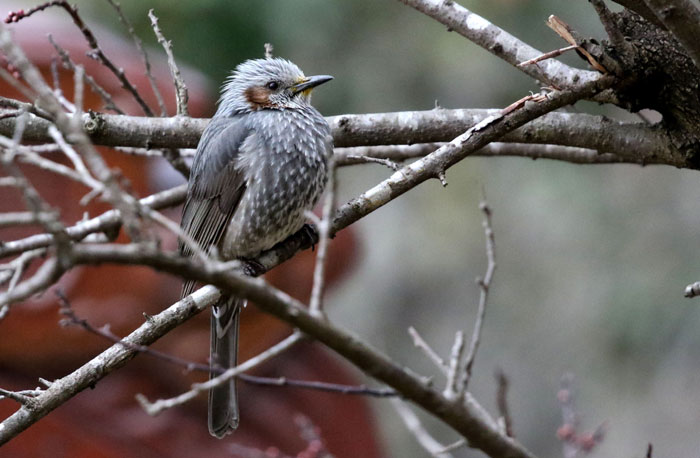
<point>96,52</point>
<point>500,43</point>
<point>99,90</point>
<point>154,408</point>
<point>324,227</point>
<point>108,222</point>
<point>375,364</point>
<point>414,425</point>
<point>452,387</point>
<point>419,342</point>
<point>181,94</point>
<point>23,218</point>
<point>631,142</point>
<point>484,285</point>
<point>144,55</point>
<point>548,55</point>
<point>641,8</point>
<point>106,362</point>
<point>473,139</point>
<point>502,403</point>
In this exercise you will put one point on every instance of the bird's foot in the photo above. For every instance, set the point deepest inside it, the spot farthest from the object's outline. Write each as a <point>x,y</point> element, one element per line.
<point>310,234</point>
<point>253,268</point>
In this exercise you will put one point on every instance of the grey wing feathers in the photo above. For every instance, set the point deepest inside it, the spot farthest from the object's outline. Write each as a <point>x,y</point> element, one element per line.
<point>216,186</point>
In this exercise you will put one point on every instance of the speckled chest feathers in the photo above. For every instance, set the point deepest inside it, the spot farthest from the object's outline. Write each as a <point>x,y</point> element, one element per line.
<point>284,161</point>
<point>254,176</point>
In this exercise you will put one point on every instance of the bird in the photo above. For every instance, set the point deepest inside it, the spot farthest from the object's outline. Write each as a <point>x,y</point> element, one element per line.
<point>261,163</point>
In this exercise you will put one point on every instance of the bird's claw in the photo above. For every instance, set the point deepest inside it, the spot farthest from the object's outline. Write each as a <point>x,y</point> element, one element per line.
<point>310,234</point>
<point>253,268</point>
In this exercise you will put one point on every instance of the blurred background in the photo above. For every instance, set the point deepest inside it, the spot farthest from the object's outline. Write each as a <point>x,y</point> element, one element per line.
<point>592,260</point>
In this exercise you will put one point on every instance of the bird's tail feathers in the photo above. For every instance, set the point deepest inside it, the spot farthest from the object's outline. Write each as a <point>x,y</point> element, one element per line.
<point>223,402</point>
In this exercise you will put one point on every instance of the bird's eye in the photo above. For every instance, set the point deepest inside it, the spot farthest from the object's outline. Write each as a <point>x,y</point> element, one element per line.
<point>273,85</point>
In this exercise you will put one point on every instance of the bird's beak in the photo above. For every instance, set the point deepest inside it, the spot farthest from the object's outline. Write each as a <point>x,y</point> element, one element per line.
<point>310,83</point>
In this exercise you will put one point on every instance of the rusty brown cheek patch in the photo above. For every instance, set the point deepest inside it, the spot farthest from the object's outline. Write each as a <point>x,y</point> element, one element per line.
<point>258,97</point>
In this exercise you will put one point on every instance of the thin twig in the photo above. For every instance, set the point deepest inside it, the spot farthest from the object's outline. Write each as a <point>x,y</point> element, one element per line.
<point>18,397</point>
<point>181,94</point>
<point>367,159</point>
<point>547,55</point>
<point>72,319</point>
<point>502,403</point>
<point>108,222</point>
<point>484,285</point>
<point>9,219</point>
<point>96,52</point>
<point>415,427</point>
<point>453,373</point>
<point>144,55</point>
<point>156,407</point>
<point>500,43</point>
<point>68,63</point>
<point>419,342</point>
<point>453,446</point>
<point>361,390</point>
<point>324,226</point>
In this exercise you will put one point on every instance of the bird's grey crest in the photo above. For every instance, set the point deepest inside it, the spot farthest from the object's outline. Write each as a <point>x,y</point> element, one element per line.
<point>272,83</point>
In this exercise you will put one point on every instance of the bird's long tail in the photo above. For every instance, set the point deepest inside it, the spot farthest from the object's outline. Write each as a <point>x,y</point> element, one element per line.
<point>223,402</point>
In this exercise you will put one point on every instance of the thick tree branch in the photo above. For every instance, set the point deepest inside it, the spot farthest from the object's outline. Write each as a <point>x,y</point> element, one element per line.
<point>682,19</point>
<point>641,8</point>
<point>634,142</point>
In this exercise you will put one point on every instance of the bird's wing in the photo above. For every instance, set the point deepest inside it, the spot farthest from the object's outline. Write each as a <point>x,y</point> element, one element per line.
<point>217,183</point>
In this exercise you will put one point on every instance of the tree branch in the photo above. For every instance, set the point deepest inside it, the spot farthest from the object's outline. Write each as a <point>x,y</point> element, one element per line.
<point>633,142</point>
<point>453,412</point>
<point>682,19</point>
<point>108,222</point>
<point>462,417</point>
<point>431,166</point>
<point>500,43</point>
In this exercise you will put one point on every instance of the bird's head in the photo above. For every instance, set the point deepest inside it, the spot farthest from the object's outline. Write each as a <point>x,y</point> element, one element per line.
<point>272,83</point>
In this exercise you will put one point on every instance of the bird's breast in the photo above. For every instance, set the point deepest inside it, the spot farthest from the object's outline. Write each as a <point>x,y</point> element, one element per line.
<point>286,165</point>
